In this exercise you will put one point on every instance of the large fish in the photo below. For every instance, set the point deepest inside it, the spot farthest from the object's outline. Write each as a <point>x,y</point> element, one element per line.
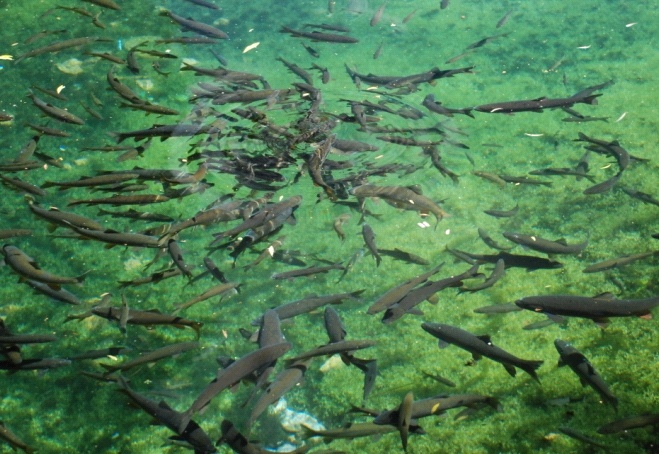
<point>27,268</point>
<point>481,346</point>
<point>598,308</point>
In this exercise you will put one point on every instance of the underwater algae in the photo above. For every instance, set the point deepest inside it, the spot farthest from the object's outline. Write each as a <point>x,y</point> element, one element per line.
<point>545,53</point>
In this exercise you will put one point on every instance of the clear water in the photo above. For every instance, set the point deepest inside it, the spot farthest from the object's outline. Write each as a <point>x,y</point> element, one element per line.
<point>553,49</point>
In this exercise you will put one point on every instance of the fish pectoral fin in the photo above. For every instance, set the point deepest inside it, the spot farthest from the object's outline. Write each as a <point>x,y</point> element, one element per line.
<point>583,381</point>
<point>556,318</point>
<point>485,338</point>
<point>476,356</point>
<point>442,344</point>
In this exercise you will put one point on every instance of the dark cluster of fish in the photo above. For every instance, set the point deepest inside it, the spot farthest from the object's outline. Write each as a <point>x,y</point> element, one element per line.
<point>235,131</point>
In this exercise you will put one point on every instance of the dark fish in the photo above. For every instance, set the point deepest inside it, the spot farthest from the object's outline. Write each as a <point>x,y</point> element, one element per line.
<point>152,356</point>
<point>333,348</point>
<point>194,26</point>
<point>58,46</point>
<point>399,254</point>
<point>629,423</point>
<point>642,196</point>
<point>137,199</point>
<point>307,271</point>
<point>377,16</point>
<point>152,278</point>
<point>282,383</point>
<point>487,239</point>
<point>481,346</point>
<point>524,180</point>
<point>400,197</point>
<point>137,317</point>
<point>497,273</point>
<point>395,294</point>
<point>587,374</point>
<point>56,112</point>
<point>408,303</point>
<point>438,405</point>
<point>539,104</point>
<point>369,239</point>
<point>547,246</point>
<point>14,441</point>
<point>484,41</point>
<point>61,294</point>
<point>437,107</point>
<point>233,374</point>
<point>27,268</point>
<point>320,36</point>
<point>502,213</point>
<point>504,20</point>
<point>611,148</point>
<point>618,261</point>
<point>174,420</point>
<point>217,290</point>
<point>352,430</point>
<point>112,237</point>
<point>597,308</point>
<point>305,305</point>
<point>581,437</point>
<point>110,4</point>
<point>295,69</point>
<point>604,185</point>
<point>498,309</point>
<point>530,262</point>
<point>237,441</point>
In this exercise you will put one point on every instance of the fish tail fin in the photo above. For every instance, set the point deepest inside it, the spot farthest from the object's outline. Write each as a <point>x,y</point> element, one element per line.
<point>185,420</point>
<point>530,368</point>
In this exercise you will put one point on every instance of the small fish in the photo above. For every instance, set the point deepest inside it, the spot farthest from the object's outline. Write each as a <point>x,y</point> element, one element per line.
<point>369,239</point>
<point>377,16</point>
<point>547,246</point>
<point>572,357</point>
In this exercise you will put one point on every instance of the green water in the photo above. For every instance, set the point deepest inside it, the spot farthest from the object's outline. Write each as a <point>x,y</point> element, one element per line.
<point>552,49</point>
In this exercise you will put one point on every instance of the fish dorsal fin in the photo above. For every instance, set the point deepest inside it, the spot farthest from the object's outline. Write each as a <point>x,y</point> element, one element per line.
<point>541,98</point>
<point>163,404</point>
<point>605,296</point>
<point>561,241</point>
<point>485,338</point>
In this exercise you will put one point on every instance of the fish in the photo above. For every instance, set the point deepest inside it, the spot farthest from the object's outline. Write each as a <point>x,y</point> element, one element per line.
<point>629,423</point>
<point>233,374</point>
<point>164,414</point>
<point>400,197</point>
<point>237,441</point>
<point>116,200</point>
<point>291,376</point>
<point>320,36</point>
<point>307,271</point>
<point>497,273</point>
<point>377,16</point>
<point>618,261</point>
<point>332,348</point>
<point>407,304</point>
<point>438,405</point>
<point>437,107</point>
<point>581,437</point>
<point>295,69</point>
<point>587,374</point>
<point>395,294</point>
<point>481,346</point>
<point>14,440</point>
<point>194,26</point>
<point>530,262</point>
<point>217,290</point>
<point>604,186</point>
<point>305,305</point>
<point>597,309</point>
<point>55,112</point>
<point>642,196</point>
<point>27,268</point>
<point>58,46</point>
<point>539,104</point>
<point>547,246</point>
<point>369,239</point>
<point>399,254</point>
<point>152,356</point>
<point>405,418</point>
<point>110,4</point>
<point>138,317</point>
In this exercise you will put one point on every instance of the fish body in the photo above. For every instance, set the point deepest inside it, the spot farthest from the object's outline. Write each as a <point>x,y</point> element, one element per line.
<point>598,308</point>
<point>481,346</point>
<point>573,358</point>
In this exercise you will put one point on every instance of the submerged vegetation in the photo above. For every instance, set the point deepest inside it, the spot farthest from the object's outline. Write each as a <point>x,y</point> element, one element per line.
<point>359,153</point>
